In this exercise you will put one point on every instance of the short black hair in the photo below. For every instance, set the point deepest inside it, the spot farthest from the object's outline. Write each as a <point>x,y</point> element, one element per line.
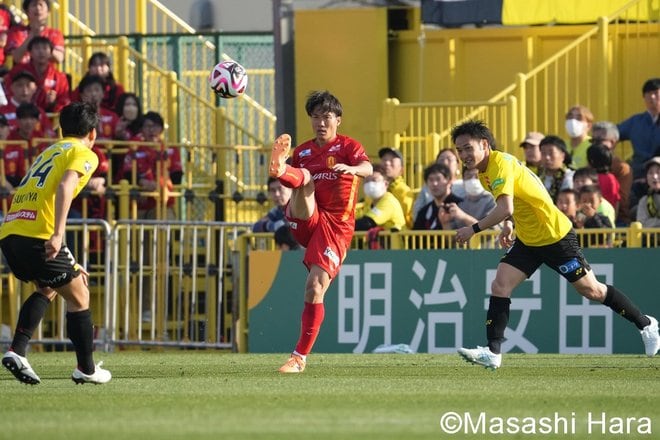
<point>325,101</point>
<point>26,4</point>
<point>569,191</point>
<point>437,168</point>
<point>590,189</point>
<point>587,172</point>
<point>154,117</point>
<point>476,130</point>
<point>99,57</point>
<point>378,168</point>
<point>88,80</point>
<point>40,40</point>
<point>558,142</point>
<point>78,119</point>
<point>650,85</point>
<point>28,110</point>
<point>599,158</point>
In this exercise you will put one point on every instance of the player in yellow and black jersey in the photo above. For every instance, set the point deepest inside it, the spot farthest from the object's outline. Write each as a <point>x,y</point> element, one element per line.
<point>31,239</point>
<point>544,235</point>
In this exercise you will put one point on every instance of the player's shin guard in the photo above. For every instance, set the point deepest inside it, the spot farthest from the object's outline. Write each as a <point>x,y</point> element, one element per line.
<point>496,320</point>
<point>621,304</point>
<point>32,312</point>
<point>81,332</point>
<point>312,317</point>
<point>292,177</point>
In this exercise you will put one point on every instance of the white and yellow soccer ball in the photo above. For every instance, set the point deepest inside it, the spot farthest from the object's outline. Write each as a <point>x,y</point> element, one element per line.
<point>228,79</point>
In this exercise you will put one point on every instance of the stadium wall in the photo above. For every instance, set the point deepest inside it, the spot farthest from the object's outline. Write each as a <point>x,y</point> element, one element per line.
<point>436,301</point>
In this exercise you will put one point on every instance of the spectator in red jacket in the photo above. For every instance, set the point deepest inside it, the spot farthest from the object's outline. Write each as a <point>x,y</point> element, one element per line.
<point>91,91</point>
<point>22,90</point>
<point>19,37</point>
<point>7,20</point>
<point>52,84</point>
<point>13,156</point>
<point>99,64</point>
<point>28,128</point>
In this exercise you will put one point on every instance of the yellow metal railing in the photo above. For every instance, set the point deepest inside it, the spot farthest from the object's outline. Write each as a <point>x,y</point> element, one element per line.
<point>539,99</point>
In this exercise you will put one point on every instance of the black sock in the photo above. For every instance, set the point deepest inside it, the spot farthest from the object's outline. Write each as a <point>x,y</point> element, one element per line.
<point>621,304</point>
<point>496,320</point>
<point>32,312</point>
<point>81,332</point>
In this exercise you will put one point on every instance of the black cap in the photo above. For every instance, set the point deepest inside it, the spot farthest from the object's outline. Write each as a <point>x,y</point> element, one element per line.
<point>23,74</point>
<point>390,150</point>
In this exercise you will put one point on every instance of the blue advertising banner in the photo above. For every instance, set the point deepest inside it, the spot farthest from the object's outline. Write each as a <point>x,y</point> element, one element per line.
<point>435,301</point>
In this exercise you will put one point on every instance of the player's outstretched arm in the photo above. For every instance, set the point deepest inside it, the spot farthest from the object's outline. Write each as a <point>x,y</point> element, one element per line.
<point>363,169</point>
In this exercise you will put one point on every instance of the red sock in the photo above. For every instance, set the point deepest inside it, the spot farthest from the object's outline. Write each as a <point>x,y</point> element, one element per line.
<point>292,177</point>
<point>312,317</point>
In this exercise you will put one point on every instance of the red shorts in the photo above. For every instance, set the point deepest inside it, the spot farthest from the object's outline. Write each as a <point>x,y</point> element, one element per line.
<point>325,238</point>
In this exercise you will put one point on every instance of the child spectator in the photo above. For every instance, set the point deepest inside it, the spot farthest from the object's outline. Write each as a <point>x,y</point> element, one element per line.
<point>27,117</point>
<point>590,200</point>
<point>600,159</point>
<point>52,85</point>
<point>22,91</point>
<point>99,64</point>
<point>587,177</point>
<point>555,159</point>
<point>567,203</point>
<point>19,37</point>
<point>648,209</point>
<point>386,211</point>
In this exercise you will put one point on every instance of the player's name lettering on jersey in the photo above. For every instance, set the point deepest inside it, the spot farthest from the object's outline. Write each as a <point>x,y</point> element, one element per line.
<point>23,214</point>
<point>325,176</point>
<point>29,197</point>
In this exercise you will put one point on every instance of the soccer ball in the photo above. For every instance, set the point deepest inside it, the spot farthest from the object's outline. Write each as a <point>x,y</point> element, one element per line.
<point>228,79</point>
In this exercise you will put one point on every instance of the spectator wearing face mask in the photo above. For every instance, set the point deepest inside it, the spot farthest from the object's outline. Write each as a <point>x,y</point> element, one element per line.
<point>386,211</point>
<point>578,125</point>
<point>478,202</point>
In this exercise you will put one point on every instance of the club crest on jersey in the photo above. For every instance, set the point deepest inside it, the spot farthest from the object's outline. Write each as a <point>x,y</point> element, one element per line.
<point>305,153</point>
<point>497,182</point>
<point>330,161</point>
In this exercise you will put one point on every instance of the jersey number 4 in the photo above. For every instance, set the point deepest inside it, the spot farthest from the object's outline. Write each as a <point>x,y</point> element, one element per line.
<point>39,170</point>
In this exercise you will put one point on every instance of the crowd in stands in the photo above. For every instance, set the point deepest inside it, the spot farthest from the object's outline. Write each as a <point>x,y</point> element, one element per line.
<point>579,168</point>
<point>36,89</point>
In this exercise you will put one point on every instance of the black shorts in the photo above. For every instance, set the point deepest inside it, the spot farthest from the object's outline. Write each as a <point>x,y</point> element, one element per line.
<point>565,257</point>
<point>27,260</point>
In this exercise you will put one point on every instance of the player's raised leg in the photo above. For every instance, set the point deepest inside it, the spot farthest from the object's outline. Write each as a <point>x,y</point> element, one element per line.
<point>289,176</point>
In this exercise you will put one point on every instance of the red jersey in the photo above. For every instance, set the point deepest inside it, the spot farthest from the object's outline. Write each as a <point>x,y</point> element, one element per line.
<point>107,124</point>
<point>51,79</point>
<point>335,193</point>
<point>45,126</point>
<point>5,23</point>
<point>609,188</point>
<point>14,157</point>
<point>18,34</point>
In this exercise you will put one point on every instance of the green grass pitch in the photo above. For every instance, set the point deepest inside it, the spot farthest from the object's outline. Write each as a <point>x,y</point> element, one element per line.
<point>201,394</point>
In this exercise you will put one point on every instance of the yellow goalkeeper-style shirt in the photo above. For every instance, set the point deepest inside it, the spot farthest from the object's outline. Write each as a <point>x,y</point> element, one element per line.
<point>538,221</point>
<point>32,211</point>
<point>387,213</point>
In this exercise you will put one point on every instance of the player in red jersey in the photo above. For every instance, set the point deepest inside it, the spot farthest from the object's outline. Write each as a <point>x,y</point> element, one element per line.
<point>324,177</point>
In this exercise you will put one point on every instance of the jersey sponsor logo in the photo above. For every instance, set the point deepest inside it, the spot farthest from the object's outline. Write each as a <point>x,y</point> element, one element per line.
<point>331,255</point>
<point>23,214</point>
<point>325,176</point>
<point>497,182</point>
<point>334,148</point>
<point>305,153</point>
<point>330,161</point>
<point>570,266</point>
